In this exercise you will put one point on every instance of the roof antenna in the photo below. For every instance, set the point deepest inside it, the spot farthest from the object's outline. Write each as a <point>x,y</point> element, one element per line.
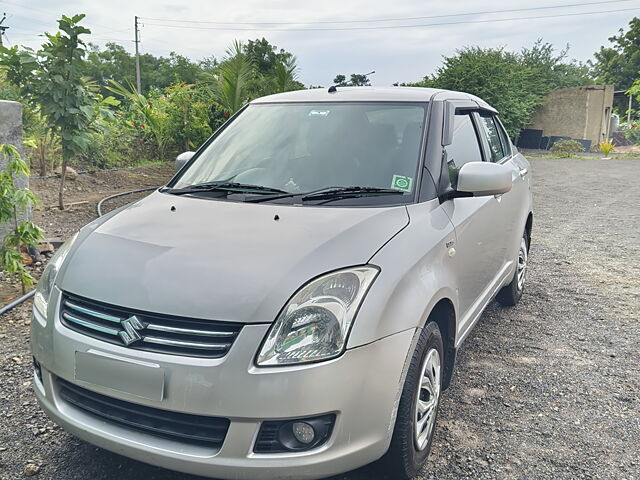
<point>333,89</point>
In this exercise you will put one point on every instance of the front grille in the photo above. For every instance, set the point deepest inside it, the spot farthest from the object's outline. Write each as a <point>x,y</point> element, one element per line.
<point>182,427</point>
<point>151,332</point>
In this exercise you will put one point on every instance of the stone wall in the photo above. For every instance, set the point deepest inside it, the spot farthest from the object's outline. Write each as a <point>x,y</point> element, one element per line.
<point>576,112</point>
<point>11,133</point>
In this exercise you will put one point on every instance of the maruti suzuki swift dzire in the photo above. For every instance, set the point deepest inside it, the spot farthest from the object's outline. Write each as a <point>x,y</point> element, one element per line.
<point>290,304</point>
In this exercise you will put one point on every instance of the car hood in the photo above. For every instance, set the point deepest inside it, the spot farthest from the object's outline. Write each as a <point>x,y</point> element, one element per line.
<point>203,258</point>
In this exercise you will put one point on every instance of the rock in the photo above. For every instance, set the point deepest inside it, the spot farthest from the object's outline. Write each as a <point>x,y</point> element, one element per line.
<point>31,470</point>
<point>72,174</point>
<point>26,258</point>
<point>55,241</point>
<point>45,247</point>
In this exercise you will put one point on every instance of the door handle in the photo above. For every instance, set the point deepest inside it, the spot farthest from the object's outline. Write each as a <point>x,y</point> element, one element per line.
<point>523,172</point>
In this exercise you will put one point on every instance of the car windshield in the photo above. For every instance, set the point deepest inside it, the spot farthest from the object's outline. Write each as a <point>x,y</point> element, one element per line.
<point>301,148</point>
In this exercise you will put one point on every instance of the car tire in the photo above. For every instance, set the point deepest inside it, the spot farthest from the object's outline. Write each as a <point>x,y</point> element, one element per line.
<point>510,295</point>
<point>415,424</point>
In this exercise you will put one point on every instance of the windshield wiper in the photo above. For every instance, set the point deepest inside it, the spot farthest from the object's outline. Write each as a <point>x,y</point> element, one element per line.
<point>223,187</point>
<point>340,192</point>
<point>330,193</point>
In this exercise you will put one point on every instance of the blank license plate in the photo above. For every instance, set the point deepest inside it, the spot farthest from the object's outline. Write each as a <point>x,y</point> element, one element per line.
<point>141,379</point>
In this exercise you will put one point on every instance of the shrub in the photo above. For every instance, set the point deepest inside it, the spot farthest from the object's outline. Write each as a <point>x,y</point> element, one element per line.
<point>118,145</point>
<point>566,148</point>
<point>14,201</point>
<point>632,131</point>
<point>606,147</point>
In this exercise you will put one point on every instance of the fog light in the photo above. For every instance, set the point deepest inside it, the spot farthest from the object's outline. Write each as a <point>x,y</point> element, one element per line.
<point>295,434</point>
<point>304,432</point>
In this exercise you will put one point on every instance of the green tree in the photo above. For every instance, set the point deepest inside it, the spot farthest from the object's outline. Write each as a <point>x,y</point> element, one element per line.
<point>13,202</point>
<point>7,90</point>
<point>285,75</point>
<point>359,80</point>
<point>43,143</point>
<point>340,81</point>
<point>188,109</point>
<point>149,113</point>
<point>495,75</point>
<point>263,55</point>
<point>356,80</point>
<point>273,70</point>
<point>514,83</point>
<point>619,64</point>
<point>551,70</point>
<point>113,62</point>
<point>51,79</point>
<point>230,84</point>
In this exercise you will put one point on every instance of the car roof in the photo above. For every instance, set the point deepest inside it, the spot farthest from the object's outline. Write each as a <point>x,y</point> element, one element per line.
<point>371,94</point>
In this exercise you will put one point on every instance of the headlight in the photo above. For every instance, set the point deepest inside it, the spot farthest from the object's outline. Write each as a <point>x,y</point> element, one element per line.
<point>48,277</point>
<point>315,323</point>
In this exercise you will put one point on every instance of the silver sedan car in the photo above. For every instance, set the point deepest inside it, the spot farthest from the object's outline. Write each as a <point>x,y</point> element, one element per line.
<point>290,304</point>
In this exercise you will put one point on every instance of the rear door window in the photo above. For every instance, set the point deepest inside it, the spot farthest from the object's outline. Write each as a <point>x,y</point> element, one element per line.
<point>503,135</point>
<point>490,128</point>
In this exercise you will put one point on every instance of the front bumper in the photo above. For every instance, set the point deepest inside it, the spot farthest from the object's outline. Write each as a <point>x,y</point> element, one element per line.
<point>361,387</point>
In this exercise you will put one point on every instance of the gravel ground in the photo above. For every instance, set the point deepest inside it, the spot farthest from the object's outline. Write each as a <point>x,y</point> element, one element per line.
<point>549,389</point>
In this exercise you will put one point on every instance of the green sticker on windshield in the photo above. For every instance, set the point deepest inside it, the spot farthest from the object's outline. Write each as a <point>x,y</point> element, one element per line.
<point>401,182</point>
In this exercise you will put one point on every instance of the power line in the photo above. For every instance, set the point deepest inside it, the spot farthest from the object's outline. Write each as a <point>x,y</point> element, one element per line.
<point>383,27</point>
<point>486,12</point>
<point>47,12</point>
<point>30,19</point>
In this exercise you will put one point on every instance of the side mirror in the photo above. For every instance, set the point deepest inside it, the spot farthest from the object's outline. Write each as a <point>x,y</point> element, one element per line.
<point>484,178</point>
<point>182,159</point>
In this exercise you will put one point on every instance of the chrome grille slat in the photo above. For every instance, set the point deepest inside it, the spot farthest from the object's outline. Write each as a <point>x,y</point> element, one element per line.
<point>189,331</point>
<point>147,331</point>
<point>93,326</point>
<point>180,343</point>
<point>93,313</point>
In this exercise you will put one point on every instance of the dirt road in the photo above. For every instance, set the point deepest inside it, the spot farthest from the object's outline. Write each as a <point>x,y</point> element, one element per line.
<point>547,390</point>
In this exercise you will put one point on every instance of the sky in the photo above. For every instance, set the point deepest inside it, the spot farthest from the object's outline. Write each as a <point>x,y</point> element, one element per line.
<point>330,37</point>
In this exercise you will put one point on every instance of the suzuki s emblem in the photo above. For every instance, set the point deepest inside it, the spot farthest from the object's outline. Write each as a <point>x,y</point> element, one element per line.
<point>132,326</point>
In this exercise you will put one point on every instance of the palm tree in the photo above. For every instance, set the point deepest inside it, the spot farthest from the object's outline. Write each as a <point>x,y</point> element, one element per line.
<point>229,84</point>
<point>285,74</point>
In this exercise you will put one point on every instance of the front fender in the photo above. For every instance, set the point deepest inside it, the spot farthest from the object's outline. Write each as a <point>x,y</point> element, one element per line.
<point>414,276</point>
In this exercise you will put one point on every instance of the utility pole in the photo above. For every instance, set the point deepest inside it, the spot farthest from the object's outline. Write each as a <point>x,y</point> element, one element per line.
<point>2,29</point>
<point>137,42</point>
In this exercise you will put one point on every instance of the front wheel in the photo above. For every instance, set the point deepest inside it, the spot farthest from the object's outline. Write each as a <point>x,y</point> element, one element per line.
<point>418,408</point>
<point>510,294</point>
